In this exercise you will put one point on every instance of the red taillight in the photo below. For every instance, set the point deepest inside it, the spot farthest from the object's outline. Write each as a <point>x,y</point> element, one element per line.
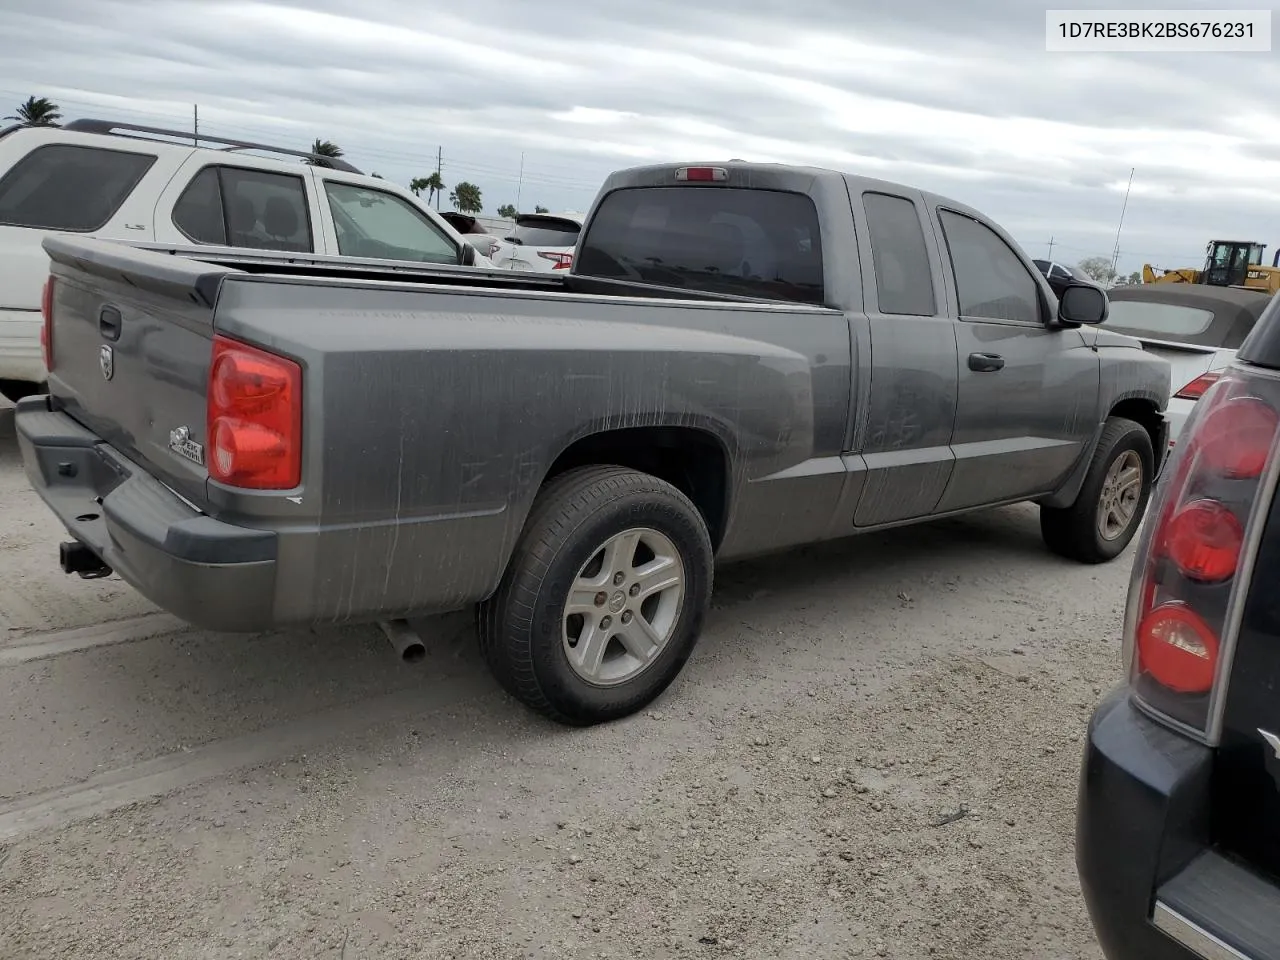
<point>1178,649</point>
<point>563,261</point>
<point>1191,551</point>
<point>1236,437</point>
<point>1204,539</point>
<point>254,417</point>
<point>703,174</point>
<point>1196,388</point>
<point>46,325</point>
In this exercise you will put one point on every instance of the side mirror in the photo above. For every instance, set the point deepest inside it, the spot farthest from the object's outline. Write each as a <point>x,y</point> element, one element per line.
<point>1082,303</point>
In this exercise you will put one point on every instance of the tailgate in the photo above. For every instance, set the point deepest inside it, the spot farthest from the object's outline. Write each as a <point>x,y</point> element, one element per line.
<point>131,341</point>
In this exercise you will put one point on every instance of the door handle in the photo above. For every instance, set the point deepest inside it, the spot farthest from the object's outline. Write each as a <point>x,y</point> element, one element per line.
<point>110,323</point>
<point>985,362</point>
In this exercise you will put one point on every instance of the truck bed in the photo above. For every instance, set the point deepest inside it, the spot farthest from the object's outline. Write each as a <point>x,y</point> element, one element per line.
<point>436,401</point>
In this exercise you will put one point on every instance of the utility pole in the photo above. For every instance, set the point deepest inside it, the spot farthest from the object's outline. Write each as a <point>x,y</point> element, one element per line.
<point>520,181</point>
<point>1050,257</point>
<point>1115,254</point>
<point>439,164</point>
<point>195,117</point>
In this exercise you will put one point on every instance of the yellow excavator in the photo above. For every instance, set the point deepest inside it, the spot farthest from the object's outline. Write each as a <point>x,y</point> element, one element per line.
<point>1228,263</point>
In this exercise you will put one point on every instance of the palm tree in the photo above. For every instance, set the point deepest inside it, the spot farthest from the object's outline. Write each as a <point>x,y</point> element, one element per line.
<point>540,209</point>
<point>466,198</point>
<point>37,112</point>
<point>432,184</point>
<point>324,148</point>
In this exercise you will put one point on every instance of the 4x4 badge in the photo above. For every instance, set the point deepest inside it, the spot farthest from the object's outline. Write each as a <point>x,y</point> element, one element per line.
<point>1272,740</point>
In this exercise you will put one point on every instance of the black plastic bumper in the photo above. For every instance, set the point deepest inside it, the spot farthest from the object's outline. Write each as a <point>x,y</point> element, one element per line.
<point>211,574</point>
<point>1154,886</point>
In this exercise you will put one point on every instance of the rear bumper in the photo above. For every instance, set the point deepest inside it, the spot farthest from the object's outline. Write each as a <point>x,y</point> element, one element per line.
<point>209,573</point>
<point>20,356</point>
<point>1154,887</point>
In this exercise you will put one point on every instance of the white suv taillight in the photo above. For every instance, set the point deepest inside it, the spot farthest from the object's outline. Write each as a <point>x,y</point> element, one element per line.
<point>1192,552</point>
<point>562,261</point>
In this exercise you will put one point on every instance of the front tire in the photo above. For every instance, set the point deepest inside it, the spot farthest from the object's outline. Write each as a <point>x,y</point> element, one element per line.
<point>604,597</point>
<point>1112,500</point>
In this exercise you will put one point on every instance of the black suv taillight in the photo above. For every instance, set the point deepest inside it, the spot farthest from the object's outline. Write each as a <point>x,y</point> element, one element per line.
<point>1192,554</point>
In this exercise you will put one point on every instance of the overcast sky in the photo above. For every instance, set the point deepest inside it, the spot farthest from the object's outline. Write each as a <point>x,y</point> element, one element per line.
<point>958,97</point>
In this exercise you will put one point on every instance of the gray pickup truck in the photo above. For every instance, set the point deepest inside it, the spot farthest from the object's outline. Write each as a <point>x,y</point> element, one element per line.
<point>743,358</point>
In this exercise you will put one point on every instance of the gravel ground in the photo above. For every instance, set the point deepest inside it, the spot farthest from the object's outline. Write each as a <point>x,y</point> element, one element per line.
<point>872,753</point>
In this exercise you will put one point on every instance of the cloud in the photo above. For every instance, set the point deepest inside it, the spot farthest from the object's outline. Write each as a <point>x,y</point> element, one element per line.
<point>533,100</point>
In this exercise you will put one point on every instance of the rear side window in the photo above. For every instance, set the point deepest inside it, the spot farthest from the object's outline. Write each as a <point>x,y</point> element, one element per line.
<point>198,212</point>
<point>991,282</point>
<point>240,207</point>
<point>1162,319</point>
<point>380,225</point>
<point>69,187</point>
<point>753,243</point>
<point>545,233</point>
<point>904,281</point>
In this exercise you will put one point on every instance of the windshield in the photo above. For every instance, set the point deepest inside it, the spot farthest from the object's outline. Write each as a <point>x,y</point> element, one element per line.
<point>1161,319</point>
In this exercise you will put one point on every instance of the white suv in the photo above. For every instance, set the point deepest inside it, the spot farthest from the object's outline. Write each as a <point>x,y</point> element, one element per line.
<point>539,242</point>
<point>123,181</point>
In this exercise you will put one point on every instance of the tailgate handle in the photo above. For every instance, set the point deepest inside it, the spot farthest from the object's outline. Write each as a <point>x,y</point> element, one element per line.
<point>110,323</point>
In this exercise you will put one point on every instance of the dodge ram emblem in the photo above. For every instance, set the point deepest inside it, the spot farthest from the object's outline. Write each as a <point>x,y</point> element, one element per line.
<point>107,361</point>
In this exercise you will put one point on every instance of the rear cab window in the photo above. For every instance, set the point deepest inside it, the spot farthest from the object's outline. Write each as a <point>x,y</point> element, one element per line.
<point>746,242</point>
<point>243,207</point>
<point>69,187</point>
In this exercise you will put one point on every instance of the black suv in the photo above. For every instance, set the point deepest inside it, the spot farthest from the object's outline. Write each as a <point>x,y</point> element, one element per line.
<point>1178,825</point>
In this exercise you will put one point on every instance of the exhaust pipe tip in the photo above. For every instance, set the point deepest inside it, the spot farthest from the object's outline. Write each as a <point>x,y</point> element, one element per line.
<point>408,645</point>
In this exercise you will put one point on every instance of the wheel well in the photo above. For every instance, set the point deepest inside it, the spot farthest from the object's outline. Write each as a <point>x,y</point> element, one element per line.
<point>1145,413</point>
<point>691,460</point>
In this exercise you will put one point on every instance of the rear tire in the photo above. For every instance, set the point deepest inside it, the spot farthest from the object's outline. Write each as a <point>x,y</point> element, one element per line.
<point>604,597</point>
<point>15,390</point>
<point>1112,500</point>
